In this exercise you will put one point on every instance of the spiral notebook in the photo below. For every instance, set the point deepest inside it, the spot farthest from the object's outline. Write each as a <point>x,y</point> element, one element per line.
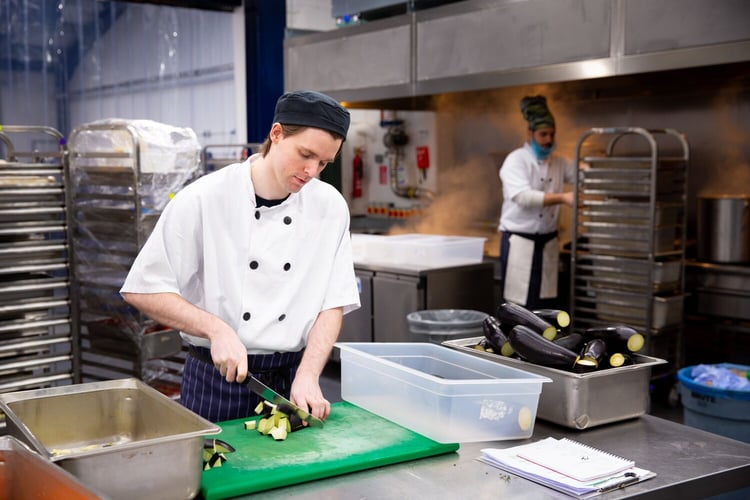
<point>574,459</point>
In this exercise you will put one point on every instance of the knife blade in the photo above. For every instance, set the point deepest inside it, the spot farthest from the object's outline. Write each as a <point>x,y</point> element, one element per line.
<point>274,397</point>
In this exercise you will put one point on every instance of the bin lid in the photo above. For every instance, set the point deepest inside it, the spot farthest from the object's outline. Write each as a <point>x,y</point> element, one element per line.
<point>446,321</point>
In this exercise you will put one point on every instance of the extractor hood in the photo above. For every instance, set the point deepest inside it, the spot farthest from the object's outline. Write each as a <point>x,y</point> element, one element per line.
<point>484,44</point>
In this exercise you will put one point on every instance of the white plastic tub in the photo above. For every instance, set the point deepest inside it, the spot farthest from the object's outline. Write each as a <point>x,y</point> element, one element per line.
<point>444,394</point>
<point>423,251</point>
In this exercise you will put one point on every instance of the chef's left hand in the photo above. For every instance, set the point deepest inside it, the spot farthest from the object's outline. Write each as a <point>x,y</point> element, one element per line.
<point>306,394</point>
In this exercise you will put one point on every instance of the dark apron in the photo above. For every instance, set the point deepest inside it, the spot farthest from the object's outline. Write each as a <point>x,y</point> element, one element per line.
<point>532,299</point>
<point>207,393</point>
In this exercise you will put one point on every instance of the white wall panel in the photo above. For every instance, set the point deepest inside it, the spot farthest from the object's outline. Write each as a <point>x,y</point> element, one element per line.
<point>167,64</point>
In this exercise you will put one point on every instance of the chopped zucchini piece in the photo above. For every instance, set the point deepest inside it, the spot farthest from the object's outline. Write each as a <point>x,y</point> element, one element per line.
<point>250,425</point>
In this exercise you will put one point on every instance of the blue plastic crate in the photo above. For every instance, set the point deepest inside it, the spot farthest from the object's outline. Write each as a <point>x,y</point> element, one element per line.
<point>720,411</point>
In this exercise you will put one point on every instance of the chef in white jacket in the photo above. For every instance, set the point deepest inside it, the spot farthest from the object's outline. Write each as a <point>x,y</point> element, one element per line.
<point>252,264</point>
<point>532,180</point>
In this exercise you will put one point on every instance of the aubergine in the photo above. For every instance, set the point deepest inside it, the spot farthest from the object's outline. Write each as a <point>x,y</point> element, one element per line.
<point>495,336</point>
<point>572,341</point>
<point>555,317</point>
<point>511,314</point>
<point>217,445</point>
<point>483,345</point>
<point>537,349</point>
<point>619,338</point>
<point>592,356</point>
<point>618,359</point>
<point>295,422</point>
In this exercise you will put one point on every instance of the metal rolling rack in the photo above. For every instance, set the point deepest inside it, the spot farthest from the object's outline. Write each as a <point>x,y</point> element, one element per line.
<point>628,251</point>
<point>37,344</point>
<point>218,156</point>
<point>114,207</point>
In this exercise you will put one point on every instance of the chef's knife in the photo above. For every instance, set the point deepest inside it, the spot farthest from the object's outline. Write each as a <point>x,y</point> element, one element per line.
<point>274,397</point>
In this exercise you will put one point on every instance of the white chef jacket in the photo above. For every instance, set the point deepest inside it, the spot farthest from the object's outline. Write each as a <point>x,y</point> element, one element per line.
<point>521,171</point>
<point>266,271</point>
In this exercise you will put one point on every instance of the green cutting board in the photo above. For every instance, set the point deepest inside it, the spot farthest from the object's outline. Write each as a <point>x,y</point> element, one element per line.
<point>352,439</point>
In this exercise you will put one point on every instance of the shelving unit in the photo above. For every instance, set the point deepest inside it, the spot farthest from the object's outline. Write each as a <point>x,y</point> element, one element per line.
<point>122,175</point>
<point>37,344</point>
<point>628,250</point>
<point>218,156</point>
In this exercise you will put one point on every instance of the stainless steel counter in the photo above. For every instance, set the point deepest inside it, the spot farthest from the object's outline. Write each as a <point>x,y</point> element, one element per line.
<point>689,463</point>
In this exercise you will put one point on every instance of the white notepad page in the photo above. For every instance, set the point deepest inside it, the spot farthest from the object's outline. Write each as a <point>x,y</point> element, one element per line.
<point>574,459</point>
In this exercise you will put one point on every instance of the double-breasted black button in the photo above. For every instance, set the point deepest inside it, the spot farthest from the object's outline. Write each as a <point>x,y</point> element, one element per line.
<point>287,220</point>
<point>253,264</point>
<point>282,317</point>
<point>287,266</point>
<point>246,316</point>
<point>257,214</point>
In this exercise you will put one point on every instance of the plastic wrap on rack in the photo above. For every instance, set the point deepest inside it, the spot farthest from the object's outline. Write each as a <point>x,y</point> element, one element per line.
<point>165,157</point>
<point>163,148</point>
<point>123,173</point>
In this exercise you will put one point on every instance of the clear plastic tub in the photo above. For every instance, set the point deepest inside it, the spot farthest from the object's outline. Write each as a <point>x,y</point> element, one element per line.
<point>425,251</point>
<point>444,394</point>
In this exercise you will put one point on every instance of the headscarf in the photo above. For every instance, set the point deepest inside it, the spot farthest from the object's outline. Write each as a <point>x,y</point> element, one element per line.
<point>535,111</point>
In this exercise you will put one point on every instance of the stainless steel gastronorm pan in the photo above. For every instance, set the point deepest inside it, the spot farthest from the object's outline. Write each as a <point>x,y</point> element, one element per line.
<point>582,401</point>
<point>18,464</point>
<point>121,437</point>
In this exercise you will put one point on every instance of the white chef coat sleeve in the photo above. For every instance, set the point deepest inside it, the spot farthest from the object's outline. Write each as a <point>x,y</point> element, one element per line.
<point>170,259</point>
<point>530,199</point>
<point>342,284</point>
<point>515,175</point>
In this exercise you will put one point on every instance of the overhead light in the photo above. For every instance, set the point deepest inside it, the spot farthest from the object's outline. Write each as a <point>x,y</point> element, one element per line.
<point>594,69</point>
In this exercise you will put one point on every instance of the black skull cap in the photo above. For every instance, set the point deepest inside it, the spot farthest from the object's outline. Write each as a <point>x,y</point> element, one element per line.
<point>312,109</point>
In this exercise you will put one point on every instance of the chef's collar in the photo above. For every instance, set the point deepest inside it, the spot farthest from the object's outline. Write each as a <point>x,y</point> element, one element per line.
<point>263,202</point>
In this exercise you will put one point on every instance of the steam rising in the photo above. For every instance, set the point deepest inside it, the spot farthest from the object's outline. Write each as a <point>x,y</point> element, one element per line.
<point>735,177</point>
<point>484,127</point>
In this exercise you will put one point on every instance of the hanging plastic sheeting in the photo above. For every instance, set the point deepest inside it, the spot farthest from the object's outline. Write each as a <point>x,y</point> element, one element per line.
<point>68,62</point>
<point>40,42</point>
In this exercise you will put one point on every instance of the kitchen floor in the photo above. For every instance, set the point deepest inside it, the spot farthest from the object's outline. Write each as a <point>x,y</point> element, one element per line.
<point>662,405</point>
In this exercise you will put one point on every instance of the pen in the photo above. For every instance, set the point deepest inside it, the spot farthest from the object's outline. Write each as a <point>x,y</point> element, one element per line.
<point>630,478</point>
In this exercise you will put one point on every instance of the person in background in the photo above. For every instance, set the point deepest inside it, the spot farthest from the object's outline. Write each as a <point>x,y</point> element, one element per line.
<point>253,265</point>
<point>532,179</point>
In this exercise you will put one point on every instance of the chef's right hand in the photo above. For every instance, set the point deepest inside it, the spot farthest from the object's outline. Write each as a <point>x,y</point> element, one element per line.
<point>229,355</point>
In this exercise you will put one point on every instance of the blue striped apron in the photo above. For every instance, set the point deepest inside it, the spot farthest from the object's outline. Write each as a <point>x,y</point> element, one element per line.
<point>207,393</point>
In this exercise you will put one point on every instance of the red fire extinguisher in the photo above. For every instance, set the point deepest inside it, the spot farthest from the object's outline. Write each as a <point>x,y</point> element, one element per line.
<point>357,174</point>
